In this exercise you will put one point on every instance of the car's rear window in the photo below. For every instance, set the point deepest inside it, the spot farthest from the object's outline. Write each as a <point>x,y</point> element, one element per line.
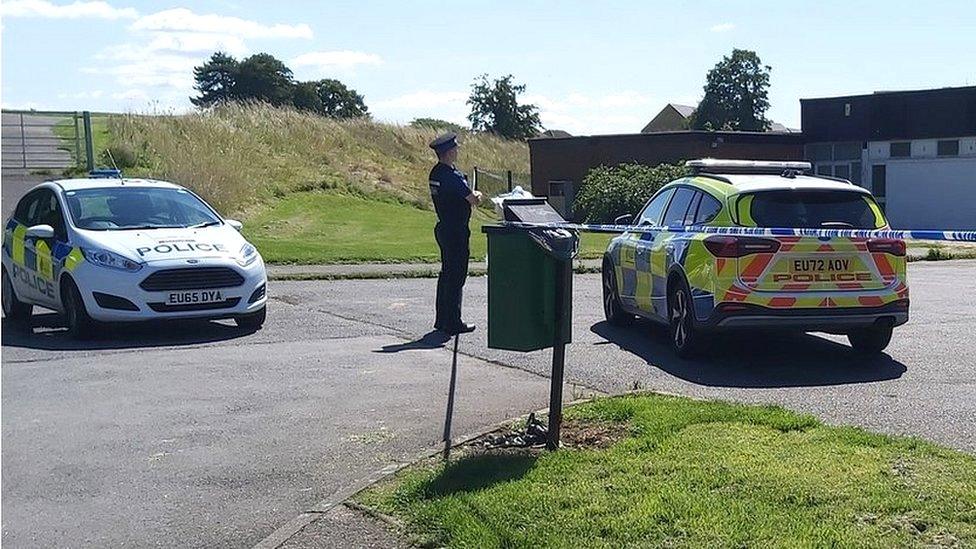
<point>815,209</point>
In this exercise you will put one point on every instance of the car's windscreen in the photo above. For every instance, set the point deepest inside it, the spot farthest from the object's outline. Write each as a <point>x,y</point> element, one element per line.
<point>129,208</point>
<point>816,209</point>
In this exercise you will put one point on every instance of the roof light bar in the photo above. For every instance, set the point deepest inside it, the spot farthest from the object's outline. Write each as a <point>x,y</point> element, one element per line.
<point>720,165</point>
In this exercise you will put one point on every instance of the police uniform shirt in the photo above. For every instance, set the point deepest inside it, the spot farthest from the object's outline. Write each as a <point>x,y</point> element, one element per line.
<point>449,190</point>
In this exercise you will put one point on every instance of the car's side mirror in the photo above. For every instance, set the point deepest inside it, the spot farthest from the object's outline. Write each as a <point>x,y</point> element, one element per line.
<point>235,223</point>
<point>623,219</point>
<point>40,231</point>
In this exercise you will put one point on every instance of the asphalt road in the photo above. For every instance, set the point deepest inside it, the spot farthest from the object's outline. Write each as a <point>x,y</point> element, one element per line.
<point>204,436</point>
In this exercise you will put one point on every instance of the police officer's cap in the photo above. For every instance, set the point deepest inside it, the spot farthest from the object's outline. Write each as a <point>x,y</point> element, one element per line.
<point>444,142</point>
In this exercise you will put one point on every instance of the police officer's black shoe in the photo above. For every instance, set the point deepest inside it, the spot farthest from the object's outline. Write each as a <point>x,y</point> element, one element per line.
<point>462,328</point>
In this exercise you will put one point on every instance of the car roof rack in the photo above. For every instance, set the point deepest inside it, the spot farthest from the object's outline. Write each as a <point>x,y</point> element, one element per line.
<point>703,166</point>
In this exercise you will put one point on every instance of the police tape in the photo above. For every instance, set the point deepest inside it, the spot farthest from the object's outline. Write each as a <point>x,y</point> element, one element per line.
<point>952,236</point>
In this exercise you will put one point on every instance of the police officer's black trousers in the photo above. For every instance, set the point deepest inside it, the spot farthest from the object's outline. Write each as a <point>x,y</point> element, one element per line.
<point>454,270</point>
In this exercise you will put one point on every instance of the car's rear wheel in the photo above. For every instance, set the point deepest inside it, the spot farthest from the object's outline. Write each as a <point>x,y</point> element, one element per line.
<point>871,340</point>
<point>14,309</point>
<point>252,322</point>
<point>612,310</point>
<point>685,336</point>
<point>80,324</point>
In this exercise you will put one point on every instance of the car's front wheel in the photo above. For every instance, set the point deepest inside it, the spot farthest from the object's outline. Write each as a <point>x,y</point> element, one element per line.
<point>252,322</point>
<point>80,324</point>
<point>612,310</point>
<point>14,309</point>
<point>685,336</point>
<point>871,340</point>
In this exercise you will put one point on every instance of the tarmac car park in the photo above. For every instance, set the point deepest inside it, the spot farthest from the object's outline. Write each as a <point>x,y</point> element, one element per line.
<point>695,282</point>
<point>118,250</point>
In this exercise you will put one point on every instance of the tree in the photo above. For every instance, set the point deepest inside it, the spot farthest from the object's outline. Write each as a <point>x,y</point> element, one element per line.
<point>306,97</point>
<point>338,101</point>
<point>495,109</point>
<point>262,77</point>
<point>435,124</point>
<point>736,95</point>
<point>215,80</point>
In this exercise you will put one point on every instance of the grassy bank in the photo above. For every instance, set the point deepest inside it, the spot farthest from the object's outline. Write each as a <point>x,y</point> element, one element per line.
<point>244,157</point>
<point>693,474</point>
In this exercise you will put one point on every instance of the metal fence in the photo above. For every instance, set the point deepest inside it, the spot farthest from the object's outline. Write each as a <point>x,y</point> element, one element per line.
<point>493,182</point>
<point>46,140</point>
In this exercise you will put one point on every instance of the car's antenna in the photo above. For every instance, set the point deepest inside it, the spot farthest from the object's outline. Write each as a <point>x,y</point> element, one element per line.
<point>115,166</point>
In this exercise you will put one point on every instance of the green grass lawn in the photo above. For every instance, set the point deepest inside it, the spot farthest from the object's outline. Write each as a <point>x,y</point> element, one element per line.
<point>334,227</point>
<point>695,474</point>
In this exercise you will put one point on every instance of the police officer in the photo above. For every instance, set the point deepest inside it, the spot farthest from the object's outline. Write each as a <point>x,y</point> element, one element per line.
<point>453,199</point>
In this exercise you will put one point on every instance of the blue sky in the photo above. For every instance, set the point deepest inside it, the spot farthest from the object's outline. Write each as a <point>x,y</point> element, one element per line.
<point>591,67</point>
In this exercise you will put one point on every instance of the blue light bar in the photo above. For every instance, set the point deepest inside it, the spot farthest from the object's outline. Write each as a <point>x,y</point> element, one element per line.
<point>105,173</point>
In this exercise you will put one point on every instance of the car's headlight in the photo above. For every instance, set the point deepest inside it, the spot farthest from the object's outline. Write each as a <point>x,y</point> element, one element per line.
<point>247,255</point>
<point>112,260</point>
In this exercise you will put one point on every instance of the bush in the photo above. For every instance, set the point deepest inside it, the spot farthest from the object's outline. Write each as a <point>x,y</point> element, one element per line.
<point>123,155</point>
<point>608,192</point>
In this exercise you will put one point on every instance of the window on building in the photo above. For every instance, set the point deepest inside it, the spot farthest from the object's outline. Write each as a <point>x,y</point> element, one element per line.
<point>820,151</point>
<point>847,151</point>
<point>948,147</point>
<point>878,181</point>
<point>902,149</point>
<point>824,169</point>
<point>843,171</point>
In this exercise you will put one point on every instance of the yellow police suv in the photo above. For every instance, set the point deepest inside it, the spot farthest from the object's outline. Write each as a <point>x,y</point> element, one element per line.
<point>696,281</point>
<point>108,249</point>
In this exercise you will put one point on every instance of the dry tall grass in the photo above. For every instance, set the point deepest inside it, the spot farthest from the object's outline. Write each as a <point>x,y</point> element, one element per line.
<point>237,156</point>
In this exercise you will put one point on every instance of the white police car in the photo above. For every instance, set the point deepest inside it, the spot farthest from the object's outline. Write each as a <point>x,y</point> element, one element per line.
<point>116,250</point>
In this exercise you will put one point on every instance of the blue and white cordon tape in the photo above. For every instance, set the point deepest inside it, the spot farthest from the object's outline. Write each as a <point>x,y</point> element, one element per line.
<point>954,236</point>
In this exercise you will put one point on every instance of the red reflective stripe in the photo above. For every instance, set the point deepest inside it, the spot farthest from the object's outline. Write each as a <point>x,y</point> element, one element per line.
<point>825,248</point>
<point>870,301</point>
<point>756,266</point>
<point>849,285</point>
<point>884,267</point>
<point>782,302</point>
<point>795,286</point>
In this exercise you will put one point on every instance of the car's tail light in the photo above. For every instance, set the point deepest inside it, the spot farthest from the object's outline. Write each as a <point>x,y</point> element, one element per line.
<point>738,246</point>
<point>891,246</point>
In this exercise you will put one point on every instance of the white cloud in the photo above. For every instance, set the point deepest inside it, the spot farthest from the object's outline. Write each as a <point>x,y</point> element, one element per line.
<point>722,27</point>
<point>424,100</point>
<point>326,60</point>
<point>75,10</point>
<point>197,42</point>
<point>131,94</point>
<point>184,20</point>
<point>82,95</point>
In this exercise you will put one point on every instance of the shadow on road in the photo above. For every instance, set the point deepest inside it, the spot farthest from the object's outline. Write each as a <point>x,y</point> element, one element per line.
<point>47,334</point>
<point>755,359</point>
<point>433,339</point>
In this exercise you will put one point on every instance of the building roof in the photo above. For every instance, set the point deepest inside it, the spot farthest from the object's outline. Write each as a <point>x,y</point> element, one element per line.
<point>555,133</point>
<point>684,110</point>
<point>100,183</point>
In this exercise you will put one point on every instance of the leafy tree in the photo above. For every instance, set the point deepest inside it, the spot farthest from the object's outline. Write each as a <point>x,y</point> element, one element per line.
<point>338,101</point>
<point>495,109</point>
<point>608,192</point>
<point>306,97</point>
<point>736,95</point>
<point>436,124</point>
<point>215,80</point>
<point>264,78</point>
